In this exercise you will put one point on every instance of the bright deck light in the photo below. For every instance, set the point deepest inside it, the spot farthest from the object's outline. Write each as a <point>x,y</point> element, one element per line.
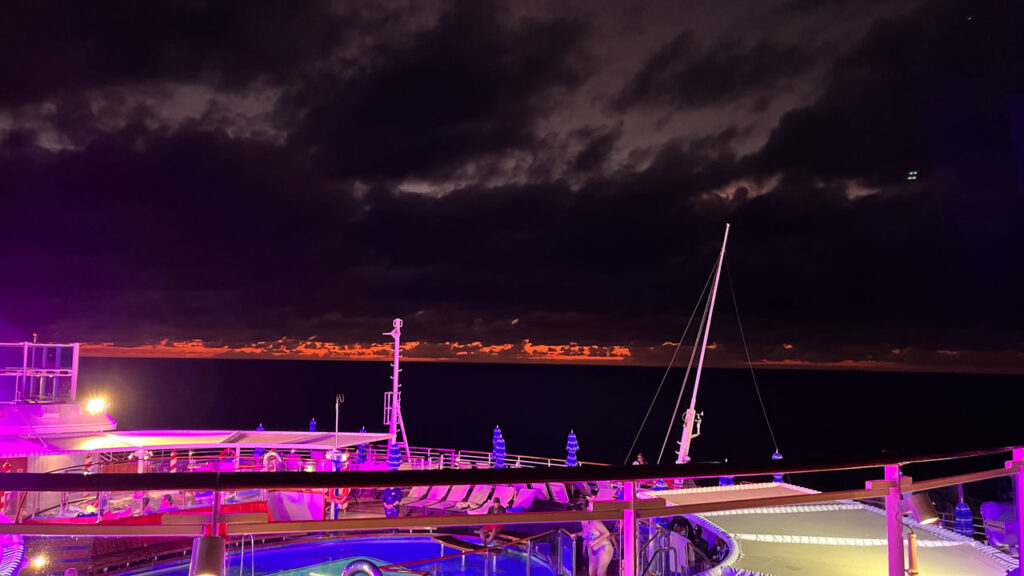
<point>96,405</point>
<point>39,561</point>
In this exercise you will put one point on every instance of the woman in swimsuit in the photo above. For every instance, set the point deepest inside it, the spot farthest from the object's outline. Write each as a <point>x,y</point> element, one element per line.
<point>598,545</point>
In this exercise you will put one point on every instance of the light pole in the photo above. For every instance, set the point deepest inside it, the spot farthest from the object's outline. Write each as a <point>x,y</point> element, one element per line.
<point>338,401</point>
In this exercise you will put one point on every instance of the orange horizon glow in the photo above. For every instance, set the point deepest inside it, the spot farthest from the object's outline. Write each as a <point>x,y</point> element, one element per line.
<point>527,351</point>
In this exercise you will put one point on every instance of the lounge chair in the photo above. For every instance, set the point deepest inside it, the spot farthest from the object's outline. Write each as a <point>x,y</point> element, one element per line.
<point>416,494</point>
<point>456,496</point>
<point>606,494</point>
<point>502,493</point>
<point>477,497</point>
<point>559,495</point>
<point>542,491</point>
<point>435,495</point>
<point>524,499</point>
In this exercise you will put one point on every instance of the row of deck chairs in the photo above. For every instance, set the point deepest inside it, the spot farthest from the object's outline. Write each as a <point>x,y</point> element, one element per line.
<point>465,499</point>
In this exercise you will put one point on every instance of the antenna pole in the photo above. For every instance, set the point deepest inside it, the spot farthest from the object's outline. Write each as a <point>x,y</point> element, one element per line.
<point>691,412</point>
<point>396,402</point>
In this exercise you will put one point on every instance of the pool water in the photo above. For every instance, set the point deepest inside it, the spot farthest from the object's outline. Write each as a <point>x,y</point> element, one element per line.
<point>329,558</point>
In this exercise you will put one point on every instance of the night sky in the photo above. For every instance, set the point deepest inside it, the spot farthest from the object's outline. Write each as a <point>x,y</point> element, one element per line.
<point>528,180</point>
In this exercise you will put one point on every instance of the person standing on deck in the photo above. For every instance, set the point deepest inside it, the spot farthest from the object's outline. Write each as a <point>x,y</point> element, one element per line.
<point>597,544</point>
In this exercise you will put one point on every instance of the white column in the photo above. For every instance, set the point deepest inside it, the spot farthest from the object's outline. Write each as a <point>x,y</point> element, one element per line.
<point>894,522</point>
<point>629,530</point>
<point>74,370</point>
<point>1018,502</point>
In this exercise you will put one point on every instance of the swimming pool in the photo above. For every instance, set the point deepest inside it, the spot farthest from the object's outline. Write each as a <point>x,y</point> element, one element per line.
<point>329,558</point>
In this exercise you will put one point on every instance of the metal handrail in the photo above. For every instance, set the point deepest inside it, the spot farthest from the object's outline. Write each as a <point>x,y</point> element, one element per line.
<point>423,458</point>
<point>225,481</point>
<point>654,557</point>
<point>690,545</point>
<point>451,456</point>
<point>658,531</point>
<point>483,550</point>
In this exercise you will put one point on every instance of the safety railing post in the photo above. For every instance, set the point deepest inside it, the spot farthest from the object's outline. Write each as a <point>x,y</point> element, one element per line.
<point>1018,501</point>
<point>558,553</point>
<point>529,556</point>
<point>629,530</point>
<point>573,563</point>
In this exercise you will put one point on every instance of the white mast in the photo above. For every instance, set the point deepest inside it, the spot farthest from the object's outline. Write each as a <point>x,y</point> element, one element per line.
<point>394,417</point>
<point>691,413</point>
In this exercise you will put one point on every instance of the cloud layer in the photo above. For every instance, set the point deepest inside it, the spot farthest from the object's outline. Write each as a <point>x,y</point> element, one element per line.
<point>521,179</point>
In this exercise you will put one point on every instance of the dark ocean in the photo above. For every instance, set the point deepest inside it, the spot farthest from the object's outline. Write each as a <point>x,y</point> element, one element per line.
<point>815,414</point>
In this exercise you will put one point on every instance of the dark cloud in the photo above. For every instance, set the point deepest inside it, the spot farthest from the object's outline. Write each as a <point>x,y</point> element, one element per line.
<point>137,230</point>
<point>55,48</point>
<point>474,84</point>
<point>598,144</point>
<point>928,93</point>
<point>683,74</point>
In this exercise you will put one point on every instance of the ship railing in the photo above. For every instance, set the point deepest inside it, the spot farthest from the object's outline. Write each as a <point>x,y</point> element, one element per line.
<point>554,548</point>
<point>297,503</point>
<point>427,458</point>
<point>256,459</point>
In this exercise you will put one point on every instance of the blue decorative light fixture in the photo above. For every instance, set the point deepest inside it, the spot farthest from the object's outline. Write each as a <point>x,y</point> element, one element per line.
<point>661,484</point>
<point>394,456</point>
<point>498,452</point>
<point>312,425</point>
<point>571,448</point>
<point>361,449</point>
<point>963,522</point>
<point>776,477</point>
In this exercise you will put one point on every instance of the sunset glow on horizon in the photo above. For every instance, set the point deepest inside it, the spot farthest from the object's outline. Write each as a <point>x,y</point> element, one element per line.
<point>572,353</point>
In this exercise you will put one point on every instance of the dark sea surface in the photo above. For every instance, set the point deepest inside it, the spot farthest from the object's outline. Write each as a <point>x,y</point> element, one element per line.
<point>815,414</point>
